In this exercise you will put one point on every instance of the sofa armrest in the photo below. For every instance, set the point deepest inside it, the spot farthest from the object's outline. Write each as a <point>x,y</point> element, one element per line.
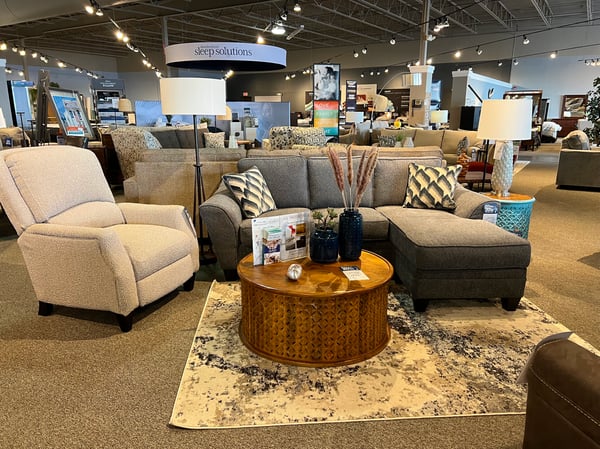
<point>61,259</point>
<point>171,216</point>
<point>469,204</point>
<point>222,216</point>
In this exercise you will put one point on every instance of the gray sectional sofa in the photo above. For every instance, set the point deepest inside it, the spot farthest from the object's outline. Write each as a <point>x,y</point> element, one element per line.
<point>437,254</point>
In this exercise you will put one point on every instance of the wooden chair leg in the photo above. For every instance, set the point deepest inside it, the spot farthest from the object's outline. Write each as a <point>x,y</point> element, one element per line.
<point>125,322</point>
<point>188,285</point>
<point>45,309</point>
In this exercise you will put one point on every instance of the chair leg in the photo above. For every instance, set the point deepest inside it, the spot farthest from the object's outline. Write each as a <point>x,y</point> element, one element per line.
<point>510,304</point>
<point>125,322</point>
<point>420,305</point>
<point>188,285</point>
<point>45,308</point>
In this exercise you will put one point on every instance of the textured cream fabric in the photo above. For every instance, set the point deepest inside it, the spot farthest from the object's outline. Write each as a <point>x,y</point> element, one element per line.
<point>98,214</point>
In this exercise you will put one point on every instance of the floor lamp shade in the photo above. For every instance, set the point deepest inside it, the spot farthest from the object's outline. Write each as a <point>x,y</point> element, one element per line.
<point>504,121</point>
<point>192,96</point>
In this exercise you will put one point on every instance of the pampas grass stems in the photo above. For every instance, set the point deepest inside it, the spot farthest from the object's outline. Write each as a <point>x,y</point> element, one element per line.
<point>366,167</point>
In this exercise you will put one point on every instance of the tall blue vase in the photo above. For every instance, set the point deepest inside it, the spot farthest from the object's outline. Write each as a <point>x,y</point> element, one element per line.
<point>350,234</point>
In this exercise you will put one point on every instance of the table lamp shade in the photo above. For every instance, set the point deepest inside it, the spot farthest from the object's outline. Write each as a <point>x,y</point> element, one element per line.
<point>505,119</point>
<point>125,105</point>
<point>192,96</point>
<point>439,116</point>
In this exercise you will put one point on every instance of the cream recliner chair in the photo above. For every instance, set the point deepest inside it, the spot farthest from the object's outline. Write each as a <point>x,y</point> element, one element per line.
<point>81,248</point>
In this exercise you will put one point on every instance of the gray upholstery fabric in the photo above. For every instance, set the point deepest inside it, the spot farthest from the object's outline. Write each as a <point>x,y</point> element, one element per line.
<point>579,168</point>
<point>285,176</point>
<point>324,191</point>
<point>167,137</point>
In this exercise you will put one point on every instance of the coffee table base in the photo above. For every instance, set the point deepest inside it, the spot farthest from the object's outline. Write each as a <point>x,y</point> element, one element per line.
<point>314,331</point>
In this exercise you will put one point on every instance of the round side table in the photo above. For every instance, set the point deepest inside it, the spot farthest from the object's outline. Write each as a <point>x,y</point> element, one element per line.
<point>515,212</point>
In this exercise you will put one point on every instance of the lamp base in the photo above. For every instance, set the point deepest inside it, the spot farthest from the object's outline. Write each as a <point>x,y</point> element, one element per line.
<point>502,173</point>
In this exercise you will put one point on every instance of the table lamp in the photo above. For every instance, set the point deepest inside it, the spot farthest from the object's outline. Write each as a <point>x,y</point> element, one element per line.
<point>194,96</point>
<point>438,116</point>
<point>504,121</point>
<point>125,106</point>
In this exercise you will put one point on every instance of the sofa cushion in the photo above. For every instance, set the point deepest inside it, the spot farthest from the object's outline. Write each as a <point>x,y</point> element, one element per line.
<point>431,187</point>
<point>391,177</point>
<point>287,178</point>
<point>438,240</point>
<point>251,192</point>
<point>362,136</point>
<point>130,142</point>
<point>323,188</point>
<point>166,136</point>
<point>425,137</point>
<point>185,136</point>
<point>214,140</point>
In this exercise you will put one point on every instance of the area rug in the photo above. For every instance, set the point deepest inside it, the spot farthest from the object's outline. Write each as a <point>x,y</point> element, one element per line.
<point>458,358</point>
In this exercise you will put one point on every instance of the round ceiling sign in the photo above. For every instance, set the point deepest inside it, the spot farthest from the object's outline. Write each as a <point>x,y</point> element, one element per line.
<point>225,55</point>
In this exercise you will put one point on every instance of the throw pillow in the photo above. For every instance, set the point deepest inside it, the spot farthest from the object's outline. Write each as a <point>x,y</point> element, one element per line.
<point>280,137</point>
<point>463,146</point>
<point>576,140</point>
<point>251,192</point>
<point>214,140</point>
<point>431,187</point>
<point>387,141</point>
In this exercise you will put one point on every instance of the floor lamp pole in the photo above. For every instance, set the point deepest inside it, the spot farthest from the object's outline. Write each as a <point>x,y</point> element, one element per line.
<point>199,194</point>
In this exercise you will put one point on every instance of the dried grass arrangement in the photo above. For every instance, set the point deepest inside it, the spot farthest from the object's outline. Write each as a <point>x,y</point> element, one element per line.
<point>352,190</point>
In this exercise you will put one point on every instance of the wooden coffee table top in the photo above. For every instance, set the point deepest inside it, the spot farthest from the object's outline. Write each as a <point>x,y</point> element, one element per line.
<point>317,280</point>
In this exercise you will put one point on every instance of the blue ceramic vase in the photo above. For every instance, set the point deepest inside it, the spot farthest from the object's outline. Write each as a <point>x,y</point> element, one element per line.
<point>350,234</point>
<point>324,246</point>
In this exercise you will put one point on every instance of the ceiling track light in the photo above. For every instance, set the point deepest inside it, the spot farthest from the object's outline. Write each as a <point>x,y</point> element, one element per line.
<point>392,40</point>
<point>260,39</point>
<point>297,7</point>
<point>431,37</point>
<point>362,74</point>
<point>15,49</point>
<point>515,61</point>
<point>22,52</point>
<point>284,15</point>
<point>3,46</point>
<point>94,8</point>
<point>525,40</point>
<point>278,28</point>
<point>554,54</point>
<point>364,50</point>
<point>294,33</point>
<point>355,54</point>
<point>457,54</point>
<point>499,63</point>
<point>478,50</point>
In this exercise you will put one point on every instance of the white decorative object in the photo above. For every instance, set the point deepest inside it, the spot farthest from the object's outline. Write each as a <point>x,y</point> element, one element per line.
<point>505,121</point>
<point>408,142</point>
<point>294,271</point>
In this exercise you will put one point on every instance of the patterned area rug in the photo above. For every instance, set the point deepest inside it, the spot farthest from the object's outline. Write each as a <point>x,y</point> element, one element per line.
<point>458,358</point>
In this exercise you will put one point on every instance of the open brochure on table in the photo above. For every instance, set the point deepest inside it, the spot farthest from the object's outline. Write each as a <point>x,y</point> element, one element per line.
<point>280,238</point>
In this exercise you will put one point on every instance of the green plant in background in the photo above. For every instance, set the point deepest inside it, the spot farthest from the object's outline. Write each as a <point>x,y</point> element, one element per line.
<point>592,111</point>
<point>400,137</point>
<point>205,120</point>
<point>325,220</point>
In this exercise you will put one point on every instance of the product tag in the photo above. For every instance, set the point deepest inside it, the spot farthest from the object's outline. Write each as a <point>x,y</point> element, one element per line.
<point>354,273</point>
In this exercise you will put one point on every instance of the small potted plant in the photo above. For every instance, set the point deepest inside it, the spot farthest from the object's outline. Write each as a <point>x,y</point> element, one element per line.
<point>399,139</point>
<point>324,239</point>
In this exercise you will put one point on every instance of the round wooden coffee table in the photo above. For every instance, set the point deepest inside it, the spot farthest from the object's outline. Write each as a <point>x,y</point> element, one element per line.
<point>322,319</point>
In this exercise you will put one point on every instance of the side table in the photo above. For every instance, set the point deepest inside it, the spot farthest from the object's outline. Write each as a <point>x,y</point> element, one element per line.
<point>515,212</point>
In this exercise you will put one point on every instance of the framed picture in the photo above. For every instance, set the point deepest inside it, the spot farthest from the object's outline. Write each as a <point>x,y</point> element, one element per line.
<point>573,106</point>
<point>70,113</point>
<point>536,99</point>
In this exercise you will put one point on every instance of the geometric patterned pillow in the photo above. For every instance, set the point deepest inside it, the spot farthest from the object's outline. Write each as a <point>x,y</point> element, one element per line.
<point>251,192</point>
<point>431,187</point>
<point>309,136</point>
<point>387,141</point>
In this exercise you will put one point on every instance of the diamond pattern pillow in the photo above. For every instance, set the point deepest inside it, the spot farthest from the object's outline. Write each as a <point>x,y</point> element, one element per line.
<point>251,192</point>
<point>463,145</point>
<point>431,187</point>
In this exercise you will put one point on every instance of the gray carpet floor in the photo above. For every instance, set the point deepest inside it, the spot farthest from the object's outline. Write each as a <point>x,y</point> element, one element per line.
<point>73,380</point>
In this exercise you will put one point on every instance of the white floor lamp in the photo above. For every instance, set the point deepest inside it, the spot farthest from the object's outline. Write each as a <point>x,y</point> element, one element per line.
<point>504,121</point>
<point>194,96</point>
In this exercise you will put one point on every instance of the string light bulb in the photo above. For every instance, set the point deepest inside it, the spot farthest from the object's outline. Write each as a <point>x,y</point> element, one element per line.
<point>553,55</point>
<point>297,7</point>
<point>3,46</point>
<point>355,54</point>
